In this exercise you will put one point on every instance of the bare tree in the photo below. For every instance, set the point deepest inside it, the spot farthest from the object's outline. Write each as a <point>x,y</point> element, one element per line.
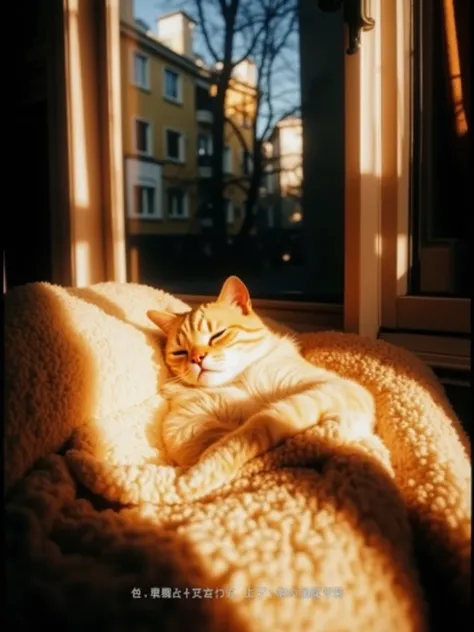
<point>233,31</point>
<point>272,104</point>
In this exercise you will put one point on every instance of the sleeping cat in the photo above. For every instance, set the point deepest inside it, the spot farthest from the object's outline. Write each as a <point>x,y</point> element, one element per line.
<point>239,389</point>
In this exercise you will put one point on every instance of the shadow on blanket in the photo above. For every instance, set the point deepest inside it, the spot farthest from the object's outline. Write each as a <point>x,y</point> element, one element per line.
<point>83,364</point>
<point>76,566</point>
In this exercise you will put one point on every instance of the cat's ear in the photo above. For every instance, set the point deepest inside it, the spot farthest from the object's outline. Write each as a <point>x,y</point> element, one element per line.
<point>163,320</point>
<point>234,292</point>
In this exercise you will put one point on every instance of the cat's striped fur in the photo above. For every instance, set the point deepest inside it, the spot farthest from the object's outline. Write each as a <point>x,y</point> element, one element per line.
<point>240,389</point>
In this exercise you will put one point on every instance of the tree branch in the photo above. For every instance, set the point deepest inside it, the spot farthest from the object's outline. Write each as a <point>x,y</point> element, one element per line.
<point>202,24</point>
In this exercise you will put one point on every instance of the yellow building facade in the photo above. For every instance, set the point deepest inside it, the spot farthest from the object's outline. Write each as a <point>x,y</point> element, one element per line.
<point>167,125</point>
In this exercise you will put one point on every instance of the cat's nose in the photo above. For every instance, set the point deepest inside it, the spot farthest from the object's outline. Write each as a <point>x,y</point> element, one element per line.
<point>197,358</point>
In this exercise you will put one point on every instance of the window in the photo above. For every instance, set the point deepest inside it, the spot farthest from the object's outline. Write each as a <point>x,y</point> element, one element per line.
<point>141,70</point>
<point>144,199</point>
<point>142,137</point>
<point>159,248</point>
<point>204,145</point>
<point>172,85</point>
<point>174,146</point>
<point>314,271</point>
<point>227,158</point>
<point>441,180</point>
<point>177,204</point>
<point>143,188</point>
<point>203,98</point>
<point>319,255</point>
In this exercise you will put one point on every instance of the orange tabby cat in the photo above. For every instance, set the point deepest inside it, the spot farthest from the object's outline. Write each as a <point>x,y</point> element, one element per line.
<point>240,389</point>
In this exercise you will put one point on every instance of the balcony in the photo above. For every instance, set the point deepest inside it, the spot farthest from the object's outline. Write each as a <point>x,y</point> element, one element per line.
<point>205,117</point>
<point>204,166</point>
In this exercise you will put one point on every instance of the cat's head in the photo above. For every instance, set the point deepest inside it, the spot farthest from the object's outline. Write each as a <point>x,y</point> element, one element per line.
<point>212,344</point>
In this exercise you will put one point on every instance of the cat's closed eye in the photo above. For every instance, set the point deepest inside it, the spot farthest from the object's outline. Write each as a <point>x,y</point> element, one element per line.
<point>217,335</point>
<point>181,352</point>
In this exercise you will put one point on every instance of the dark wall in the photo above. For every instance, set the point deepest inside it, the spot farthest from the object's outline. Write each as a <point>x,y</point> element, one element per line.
<point>27,238</point>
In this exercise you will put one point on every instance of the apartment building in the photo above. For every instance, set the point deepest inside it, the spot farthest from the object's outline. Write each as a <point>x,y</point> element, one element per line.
<point>284,175</point>
<point>167,113</point>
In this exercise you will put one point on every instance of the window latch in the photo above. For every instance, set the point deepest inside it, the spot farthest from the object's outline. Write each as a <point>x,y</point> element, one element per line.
<point>356,16</point>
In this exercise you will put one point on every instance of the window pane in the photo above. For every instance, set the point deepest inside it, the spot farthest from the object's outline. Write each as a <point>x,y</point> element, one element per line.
<point>175,203</point>
<point>142,136</point>
<point>442,194</point>
<point>140,70</point>
<point>144,200</point>
<point>173,144</point>
<point>259,181</point>
<point>150,200</point>
<point>171,84</point>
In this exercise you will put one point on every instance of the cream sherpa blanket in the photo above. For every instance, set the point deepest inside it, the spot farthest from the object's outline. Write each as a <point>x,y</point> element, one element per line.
<point>317,535</point>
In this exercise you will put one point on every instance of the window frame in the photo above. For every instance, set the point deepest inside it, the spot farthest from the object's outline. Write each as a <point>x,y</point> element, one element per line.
<point>149,136</point>
<point>377,219</point>
<point>144,173</point>
<point>185,201</point>
<point>376,302</point>
<point>135,52</point>
<point>400,309</point>
<point>142,188</point>
<point>178,100</point>
<point>181,160</point>
<point>208,137</point>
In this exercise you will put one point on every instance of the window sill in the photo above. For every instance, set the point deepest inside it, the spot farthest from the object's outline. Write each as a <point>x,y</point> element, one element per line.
<point>433,314</point>
<point>144,89</point>
<point>441,352</point>
<point>143,154</point>
<point>145,218</point>
<point>173,101</point>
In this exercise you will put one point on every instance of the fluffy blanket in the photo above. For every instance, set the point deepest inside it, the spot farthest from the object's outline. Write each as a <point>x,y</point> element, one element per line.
<point>319,534</point>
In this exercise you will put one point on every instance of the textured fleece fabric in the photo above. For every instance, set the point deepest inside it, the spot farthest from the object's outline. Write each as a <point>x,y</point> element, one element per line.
<point>318,535</point>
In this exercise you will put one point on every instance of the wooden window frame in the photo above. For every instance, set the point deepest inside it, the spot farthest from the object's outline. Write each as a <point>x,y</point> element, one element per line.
<point>376,179</point>
<point>85,122</point>
<point>97,27</point>
<point>377,223</point>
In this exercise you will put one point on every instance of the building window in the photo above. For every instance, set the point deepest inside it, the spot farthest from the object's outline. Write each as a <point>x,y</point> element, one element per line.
<point>175,149</point>
<point>227,159</point>
<point>143,189</point>
<point>204,99</point>
<point>174,145</point>
<point>144,201</point>
<point>204,145</point>
<point>142,137</point>
<point>177,204</point>
<point>172,85</point>
<point>141,76</point>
